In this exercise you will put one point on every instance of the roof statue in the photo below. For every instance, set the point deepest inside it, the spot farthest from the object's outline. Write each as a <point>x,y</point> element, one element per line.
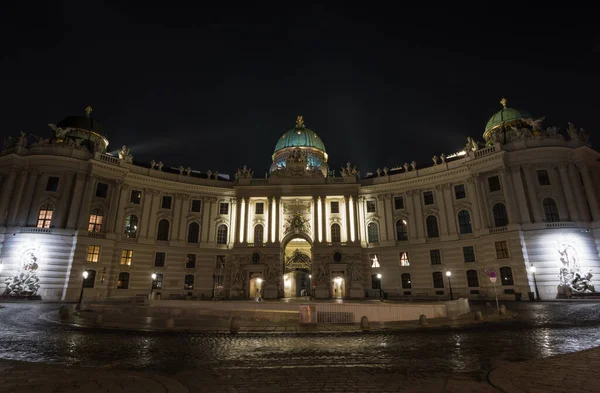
<point>300,122</point>
<point>503,102</point>
<point>88,110</point>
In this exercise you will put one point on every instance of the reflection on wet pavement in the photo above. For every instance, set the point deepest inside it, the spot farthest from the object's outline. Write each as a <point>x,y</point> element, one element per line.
<point>540,330</point>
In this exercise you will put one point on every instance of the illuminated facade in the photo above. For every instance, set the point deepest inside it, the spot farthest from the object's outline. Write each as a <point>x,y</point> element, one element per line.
<point>528,198</point>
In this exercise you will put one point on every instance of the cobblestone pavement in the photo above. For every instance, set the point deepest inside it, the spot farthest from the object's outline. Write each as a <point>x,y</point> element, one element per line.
<point>436,360</point>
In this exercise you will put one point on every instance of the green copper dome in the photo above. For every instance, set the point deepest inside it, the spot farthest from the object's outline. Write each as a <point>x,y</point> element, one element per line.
<point>505,116</point>
<point>299,136</point>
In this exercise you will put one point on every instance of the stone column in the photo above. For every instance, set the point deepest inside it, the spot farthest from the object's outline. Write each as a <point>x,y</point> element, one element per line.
<point>277,219</point>
<point>590,191</point>
<point>315,219</point>
<point>152,219</point>
<point>206,219</point>
<point>484,212</point>
<point>182,217</point>
<point>114,206</point>
<point>25,207</point>
<point>517,181</point>
<point>7,191</point>
<point>507,189</point>
<point>584,212</point>
<point>536,206</point>
<point>210,222</point>
<point>237,219</point>
<point>566,185</point>
<point>16,201</point>
<point>419,225</point>
<point>474,198</point>
<point>233,223</point>
<point>324,218</point>
<point>176,218</point>
<point>356,219</point>
<point>76,201</point>
<point>246,227</point>
<point>389,217</point>
<point>440,198</point>
<point>66,200</point>
<point>347,214</point>
<point>412,215</point>
<point>381,209</point>
<point>144,223</point>
<point>361,224</point>
<point>449,208</point>
<point>86,202</point>
<point>119,227</point>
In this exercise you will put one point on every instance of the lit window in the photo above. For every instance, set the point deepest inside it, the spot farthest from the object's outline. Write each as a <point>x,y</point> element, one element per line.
<point>45,216</point>
<point>131,226</point>
<point>93,254</point>
<point>95,224</point>
<point>501,250</point>
<point>404,259</point>
<point>126,257</point>
<point>374,261</point>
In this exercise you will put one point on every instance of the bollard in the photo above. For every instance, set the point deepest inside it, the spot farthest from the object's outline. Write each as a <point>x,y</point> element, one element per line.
<point>503,310</point>
<point>478,316</point>
<point>98,319</point>
<point>64,312</point>
<point>423,320</point>
<point>234,325</point>
<point>364,324</point>
<point>170,323</point>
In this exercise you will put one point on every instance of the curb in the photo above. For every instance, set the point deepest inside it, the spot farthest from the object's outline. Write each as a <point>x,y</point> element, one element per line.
<point>499,379</point>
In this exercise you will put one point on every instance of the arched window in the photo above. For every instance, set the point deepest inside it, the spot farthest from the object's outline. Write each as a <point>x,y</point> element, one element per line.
<point>506,276</point>
<point>95,224</point>
<point>158,283</point>
<point>432,227</point>
<point>464,222</point>
<point>222,234</point>
<point>336,233</point>
<point>406,283</point>
<point>45,216</point>
<point>163,230</point>
<point>90,280</point>
<point>259,232</point>
<point>500,216</point>
<point>550,210</point>
<point>373,233</point>
<point>472,278</point>
<point>123,282</point>
<point>193,232</point>
<point>131,226</point>
<point>188,282</point>
<point>401,230</point>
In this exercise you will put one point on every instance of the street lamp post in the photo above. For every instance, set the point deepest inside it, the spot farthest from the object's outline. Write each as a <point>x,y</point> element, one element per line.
<point>152,285</point>
<point>85,276</point>
<point>380,289</point>
<point>537,293</point>
<point>448,274</point>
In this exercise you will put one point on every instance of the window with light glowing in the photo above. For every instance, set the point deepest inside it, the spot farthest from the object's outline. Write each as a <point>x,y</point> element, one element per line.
<point>126,257</point>
<point>131,226</point>
<point>95,224</point>
<point>45,216</point>
<point>404,259</point>
<point>374,261</point>
<point>93,253</point>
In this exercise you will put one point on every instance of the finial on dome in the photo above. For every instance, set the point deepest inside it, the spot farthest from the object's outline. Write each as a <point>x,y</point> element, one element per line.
<point>503,101</point>
<point>299,122</point>
<point>88,110</point>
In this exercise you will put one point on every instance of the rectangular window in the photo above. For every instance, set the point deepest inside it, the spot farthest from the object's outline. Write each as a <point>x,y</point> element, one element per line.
<point>438,280</point>
<point>123,281</point>
<point>126,257</point>
<point>196,205</point>
<point>190,261</point>
<point>435,257</point>
<point>472,279</point>
<point>374,260</point>
<point>428,198</point>
<point>404,259</point>
<point>501,249</point>
<point>543,177</point>
<point>167,200</point>
<point>375,282</point>
<point>494,183</point>
<point>335,207</point>
<point>159,259</point>
<point>52,184</point>
<point>223,208</point>
<point>158,283</point>
<point>93,254</point>
<point>459,191</point>
<point>90,280</point>
<point>259,208</point>
<point>101,190</point>
<point>188,282</point>
<point>135,197</point>
<point>469,254</point>
<point>398,203</point>
<point>371,206</point>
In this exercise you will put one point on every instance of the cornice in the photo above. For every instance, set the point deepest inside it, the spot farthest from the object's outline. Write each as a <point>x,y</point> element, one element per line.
<point>177,186</point>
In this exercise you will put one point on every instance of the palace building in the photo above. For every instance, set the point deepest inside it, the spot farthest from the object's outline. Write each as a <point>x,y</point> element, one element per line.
<point>520,209</point>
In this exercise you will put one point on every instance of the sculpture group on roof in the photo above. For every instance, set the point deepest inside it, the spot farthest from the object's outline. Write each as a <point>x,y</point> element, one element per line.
<point>244,173</point>
<point>349,170</point>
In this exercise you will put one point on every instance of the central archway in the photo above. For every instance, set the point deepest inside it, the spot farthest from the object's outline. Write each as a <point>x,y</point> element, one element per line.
<point>297,266</point>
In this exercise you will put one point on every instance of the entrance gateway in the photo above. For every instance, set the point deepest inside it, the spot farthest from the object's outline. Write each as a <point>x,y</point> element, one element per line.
<point>297,268</point>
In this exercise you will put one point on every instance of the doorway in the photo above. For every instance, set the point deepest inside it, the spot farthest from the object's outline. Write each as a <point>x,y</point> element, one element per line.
<point>338,290</point>
<point>297,268</point>
<point>255,291</point>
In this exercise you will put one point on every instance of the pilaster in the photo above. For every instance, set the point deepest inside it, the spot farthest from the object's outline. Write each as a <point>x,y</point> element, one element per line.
<point>517,180</point>
<point>511,208</point>
<point>7,192</point>
<point>590,191</point>
<point>25,207</point>
<point>584,211</point>
<point>533,201</point>
<point>568,191</point>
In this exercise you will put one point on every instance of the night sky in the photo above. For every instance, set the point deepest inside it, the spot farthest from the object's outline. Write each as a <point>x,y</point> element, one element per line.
<point>214,88</point>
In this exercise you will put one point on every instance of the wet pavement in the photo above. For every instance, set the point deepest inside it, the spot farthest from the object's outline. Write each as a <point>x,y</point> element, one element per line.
<point>539,330</point>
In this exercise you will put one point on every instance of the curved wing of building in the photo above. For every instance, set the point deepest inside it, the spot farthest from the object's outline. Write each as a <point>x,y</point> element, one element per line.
<point>525,197</point>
